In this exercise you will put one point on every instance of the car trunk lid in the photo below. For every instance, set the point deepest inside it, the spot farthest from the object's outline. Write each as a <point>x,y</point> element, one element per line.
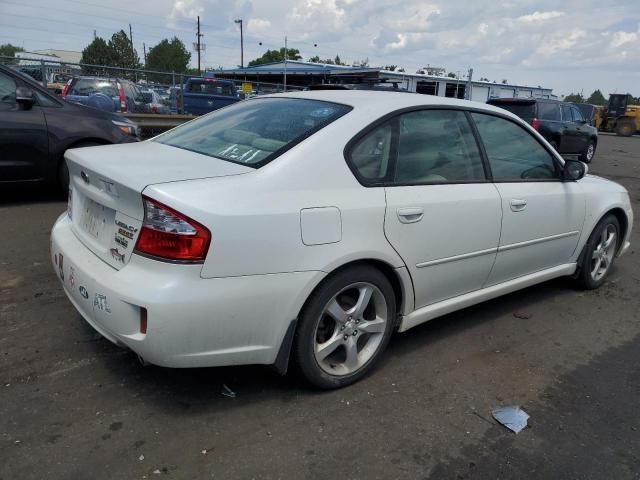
<point>107,183</point>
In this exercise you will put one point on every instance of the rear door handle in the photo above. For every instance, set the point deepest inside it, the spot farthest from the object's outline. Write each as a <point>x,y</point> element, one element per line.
<point>410,214</point>
<point>517,205</point>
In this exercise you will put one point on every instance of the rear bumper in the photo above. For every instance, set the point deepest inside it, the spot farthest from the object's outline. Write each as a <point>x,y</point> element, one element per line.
<point>192,322</point>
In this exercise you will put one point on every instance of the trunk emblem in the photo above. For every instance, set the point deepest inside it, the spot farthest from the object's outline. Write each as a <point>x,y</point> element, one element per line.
<point>83,292</point>
<point>85,177</point>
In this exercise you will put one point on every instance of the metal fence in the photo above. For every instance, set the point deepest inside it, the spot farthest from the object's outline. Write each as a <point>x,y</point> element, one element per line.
<point>167,110</point>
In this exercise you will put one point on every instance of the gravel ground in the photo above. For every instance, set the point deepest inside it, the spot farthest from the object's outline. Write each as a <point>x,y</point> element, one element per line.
<point>74,406</point>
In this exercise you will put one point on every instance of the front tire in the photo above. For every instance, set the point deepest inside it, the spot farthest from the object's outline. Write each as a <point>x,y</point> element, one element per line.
<point>344,327</point>
<point>625,128</point>
<point>599,253</point>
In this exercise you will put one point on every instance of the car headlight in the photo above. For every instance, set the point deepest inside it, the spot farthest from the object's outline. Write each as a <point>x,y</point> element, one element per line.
<point>126,127</point>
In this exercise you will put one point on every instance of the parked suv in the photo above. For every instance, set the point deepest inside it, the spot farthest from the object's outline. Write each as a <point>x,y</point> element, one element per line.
<point>560,123</point>
<point>108,94</point>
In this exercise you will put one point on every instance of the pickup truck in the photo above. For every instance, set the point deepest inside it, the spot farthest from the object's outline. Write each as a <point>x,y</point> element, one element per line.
<point>203,95</point>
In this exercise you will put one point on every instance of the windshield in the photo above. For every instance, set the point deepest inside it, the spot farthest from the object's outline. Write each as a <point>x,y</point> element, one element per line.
<point>254,132</point>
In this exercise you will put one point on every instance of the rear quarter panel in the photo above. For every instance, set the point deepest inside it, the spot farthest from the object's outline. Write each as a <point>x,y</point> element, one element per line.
<point>255,218</point>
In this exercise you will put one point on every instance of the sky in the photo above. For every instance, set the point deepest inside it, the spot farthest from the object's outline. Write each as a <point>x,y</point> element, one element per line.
<point>570,46</point>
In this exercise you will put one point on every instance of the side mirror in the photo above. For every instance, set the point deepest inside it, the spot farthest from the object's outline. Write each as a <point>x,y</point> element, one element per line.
<point>25,97</point>
<point>573,171</point>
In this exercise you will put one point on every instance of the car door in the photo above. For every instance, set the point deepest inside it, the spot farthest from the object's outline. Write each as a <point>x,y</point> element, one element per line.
<point>24,142</point>
<point>443,214</point>
<point>542,215</point>
<point>583,134</point>
<point>570,141</point>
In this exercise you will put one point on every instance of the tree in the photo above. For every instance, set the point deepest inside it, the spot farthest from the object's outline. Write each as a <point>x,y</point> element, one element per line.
<point>124,55</point>
<point>574,98</point>
<point>361,63</point>
<point>8,50</point>
<point>337,61</point>
<point>168,56</point>
<point>451,75</point>
<point>505,81</point>
<point>391,68</point>
<point>97,52</point>
<point>271,56</point>
<point>596,98</point>
<point>317,59</point>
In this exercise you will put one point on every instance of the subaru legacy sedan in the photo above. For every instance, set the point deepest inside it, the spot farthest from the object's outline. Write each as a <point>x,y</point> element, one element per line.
<point>304,229</point>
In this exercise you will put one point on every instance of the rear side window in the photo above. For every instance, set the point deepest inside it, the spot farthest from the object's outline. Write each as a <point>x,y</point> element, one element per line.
<point>513,153</point>
<point>566,113</point>
<point>90,86</point>
<point>254,132</point>
<point>437,146</point>
<point>577,116</point>
<point>548,111</point>
<point>423,147</point>
<point>212,88</point>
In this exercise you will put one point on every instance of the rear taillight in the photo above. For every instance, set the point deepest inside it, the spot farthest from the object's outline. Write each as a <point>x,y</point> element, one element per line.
<point>154,109</point>
<point>169,235</point>
<point>123,98</point>
<point>535,123</point>
<point>65,90</point>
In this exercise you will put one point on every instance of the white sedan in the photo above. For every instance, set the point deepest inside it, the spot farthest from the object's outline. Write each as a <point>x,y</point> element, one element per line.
<point>306,228</point>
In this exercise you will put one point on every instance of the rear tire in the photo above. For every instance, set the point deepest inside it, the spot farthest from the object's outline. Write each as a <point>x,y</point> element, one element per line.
<point>344,327</point>
<point>599,253</point>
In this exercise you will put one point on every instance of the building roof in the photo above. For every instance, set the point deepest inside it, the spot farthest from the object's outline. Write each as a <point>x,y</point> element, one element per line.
<point>293,67</point>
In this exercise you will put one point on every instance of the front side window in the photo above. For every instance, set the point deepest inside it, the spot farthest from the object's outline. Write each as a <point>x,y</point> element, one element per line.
<point>254,132</point>
<point>577,116</point>
<point>513,153</point>
<point>437,146</point>
<point>7,89</point>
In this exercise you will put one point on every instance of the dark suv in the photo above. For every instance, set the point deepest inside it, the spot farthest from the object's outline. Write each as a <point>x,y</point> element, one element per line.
<point>560,123</point>
<point>108,94</point>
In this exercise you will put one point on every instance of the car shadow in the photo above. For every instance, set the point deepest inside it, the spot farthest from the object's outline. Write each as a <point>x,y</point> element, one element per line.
<point>194,391</point>
<point>28,193</point>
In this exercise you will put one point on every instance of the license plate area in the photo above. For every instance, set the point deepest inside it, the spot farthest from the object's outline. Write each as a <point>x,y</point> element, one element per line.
<point>96,221</point>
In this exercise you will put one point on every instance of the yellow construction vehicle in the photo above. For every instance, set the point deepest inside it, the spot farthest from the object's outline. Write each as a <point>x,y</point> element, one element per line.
<point>621,116</point>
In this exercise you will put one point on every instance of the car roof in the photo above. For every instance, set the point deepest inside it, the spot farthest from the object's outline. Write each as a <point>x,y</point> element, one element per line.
<point>381,102</point>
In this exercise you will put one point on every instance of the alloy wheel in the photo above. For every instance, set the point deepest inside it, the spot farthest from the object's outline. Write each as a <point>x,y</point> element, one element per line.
<point>350,329</point>
<point>603,253</point>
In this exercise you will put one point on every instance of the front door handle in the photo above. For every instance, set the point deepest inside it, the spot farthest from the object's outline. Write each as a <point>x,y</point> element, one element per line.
<point>410,214</point>
<point>517,205</point>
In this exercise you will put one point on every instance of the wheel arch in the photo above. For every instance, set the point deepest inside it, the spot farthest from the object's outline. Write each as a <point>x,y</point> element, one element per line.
<point>401,283</point>
<point>621,216</point>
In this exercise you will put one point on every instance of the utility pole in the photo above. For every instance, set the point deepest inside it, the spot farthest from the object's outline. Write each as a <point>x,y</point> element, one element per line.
<point>467,91</point>
<point>144,48</point>
<point>241,44</point>
<point>133,54</point>
<point>94,35</point>
<point>198,44</point>
<point>285,63</point>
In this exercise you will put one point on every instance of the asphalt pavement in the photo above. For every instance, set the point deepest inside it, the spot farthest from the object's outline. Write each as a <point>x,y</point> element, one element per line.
<point>73,406</point>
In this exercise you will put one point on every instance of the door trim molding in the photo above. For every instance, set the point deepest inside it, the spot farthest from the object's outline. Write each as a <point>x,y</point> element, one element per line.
<point>455,258</point>
<point>535,241</point>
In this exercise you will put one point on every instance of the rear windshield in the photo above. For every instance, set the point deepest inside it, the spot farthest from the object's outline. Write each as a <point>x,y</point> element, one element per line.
<point>254,132</point>
<point>212,88</point>
<point>521,109</point>
<point>89,86</point>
